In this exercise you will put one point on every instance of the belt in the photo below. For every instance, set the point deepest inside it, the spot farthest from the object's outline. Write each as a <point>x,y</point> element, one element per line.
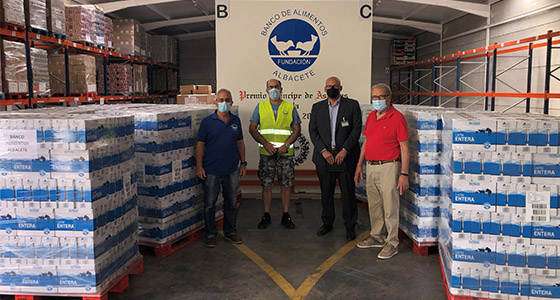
<point>333,148</point>
<point>380,162</point>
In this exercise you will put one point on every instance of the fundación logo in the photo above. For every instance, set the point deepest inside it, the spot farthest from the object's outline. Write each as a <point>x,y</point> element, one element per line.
<point>294,43</point>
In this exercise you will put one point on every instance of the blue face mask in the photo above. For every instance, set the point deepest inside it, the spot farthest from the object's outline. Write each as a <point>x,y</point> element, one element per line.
<point>379,105</point>
<point>274,94</point>
<point>224,107</point>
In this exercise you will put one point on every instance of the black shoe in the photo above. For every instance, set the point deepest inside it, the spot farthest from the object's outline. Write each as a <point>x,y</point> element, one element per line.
<point>324,229</point>
<point>265,221</point>
<point>287,221</point>
<point>350,234</point>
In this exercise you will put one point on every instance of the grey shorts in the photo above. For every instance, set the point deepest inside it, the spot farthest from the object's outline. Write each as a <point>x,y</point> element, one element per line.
<point>284,165</point>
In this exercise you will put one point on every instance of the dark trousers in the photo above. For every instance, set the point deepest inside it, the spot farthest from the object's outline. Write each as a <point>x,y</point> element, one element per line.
<point>327,181</point>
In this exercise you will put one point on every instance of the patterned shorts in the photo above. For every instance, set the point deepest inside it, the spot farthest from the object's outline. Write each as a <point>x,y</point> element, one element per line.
<point>283,164</point>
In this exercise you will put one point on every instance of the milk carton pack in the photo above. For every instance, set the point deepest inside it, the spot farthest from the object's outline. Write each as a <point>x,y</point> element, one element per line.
<point>523,220</point>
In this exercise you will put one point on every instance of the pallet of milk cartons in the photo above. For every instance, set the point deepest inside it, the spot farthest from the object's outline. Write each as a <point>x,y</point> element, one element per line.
<point>500,226</point>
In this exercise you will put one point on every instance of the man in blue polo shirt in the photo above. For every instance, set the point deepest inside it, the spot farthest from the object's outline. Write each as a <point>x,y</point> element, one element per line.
<point>218,151</point>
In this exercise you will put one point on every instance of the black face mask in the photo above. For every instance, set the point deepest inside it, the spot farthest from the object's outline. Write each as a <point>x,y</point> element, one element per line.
<point>333,93</point>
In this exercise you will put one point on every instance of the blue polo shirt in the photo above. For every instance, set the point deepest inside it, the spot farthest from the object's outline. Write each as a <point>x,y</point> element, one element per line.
<point>221,156</point>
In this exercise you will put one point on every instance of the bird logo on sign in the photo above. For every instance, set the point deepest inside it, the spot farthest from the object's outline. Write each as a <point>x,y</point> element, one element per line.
<point>294,45</point>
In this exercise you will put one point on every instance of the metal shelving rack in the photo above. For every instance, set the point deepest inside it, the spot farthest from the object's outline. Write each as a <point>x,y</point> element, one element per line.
<point>31,39</point>
<point>409,90</point>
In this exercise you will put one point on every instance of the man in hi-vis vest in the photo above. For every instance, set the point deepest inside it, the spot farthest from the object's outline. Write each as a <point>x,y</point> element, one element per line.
<point>275,125</point>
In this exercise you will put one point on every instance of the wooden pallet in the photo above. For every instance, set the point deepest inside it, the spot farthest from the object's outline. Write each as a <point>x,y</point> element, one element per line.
<point>455,297</point>
<point>17,96</point>
<point>89,95</point>
<point>11,26</point>
<point>38,30</point>
<point>57,35</point>
<point>176,244</point>
<point>420,248</point>
<point>118,285</point>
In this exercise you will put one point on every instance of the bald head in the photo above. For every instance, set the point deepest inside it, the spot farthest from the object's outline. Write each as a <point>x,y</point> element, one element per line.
<point>333,80</point>
<point>333,84</point>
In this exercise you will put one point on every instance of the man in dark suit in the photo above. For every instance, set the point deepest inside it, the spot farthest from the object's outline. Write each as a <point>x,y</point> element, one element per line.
<point>335,127</point>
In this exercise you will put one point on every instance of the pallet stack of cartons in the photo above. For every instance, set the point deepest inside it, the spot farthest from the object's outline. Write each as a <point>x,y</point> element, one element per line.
<point>56,17</point>
<point>14,77</point>
<point>129,37</point>
<point>419,206</point>
<point>12,12</point>
<point>40,67</point>
<point>36,14</point>
<point>163,48</point>
<point>195,94</point>
<point>85,23</point>
<point>500,227</point>
<point>82,74</point>
<point>108,32</point>
<point>68,201</point>
<point>123,79</point>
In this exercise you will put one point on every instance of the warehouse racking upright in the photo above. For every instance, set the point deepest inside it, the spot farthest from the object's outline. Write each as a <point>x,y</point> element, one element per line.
<point>66,47</point>
<point>410,85</point>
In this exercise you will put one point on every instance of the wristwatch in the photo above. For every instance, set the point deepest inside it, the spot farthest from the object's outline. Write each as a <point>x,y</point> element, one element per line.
<point>243,164</point>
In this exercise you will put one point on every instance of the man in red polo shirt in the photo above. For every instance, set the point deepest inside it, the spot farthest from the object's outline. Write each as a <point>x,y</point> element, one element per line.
<point>386,151</point>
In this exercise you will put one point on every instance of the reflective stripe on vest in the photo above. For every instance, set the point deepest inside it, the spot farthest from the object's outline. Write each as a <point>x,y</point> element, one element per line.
<point>276,130</point>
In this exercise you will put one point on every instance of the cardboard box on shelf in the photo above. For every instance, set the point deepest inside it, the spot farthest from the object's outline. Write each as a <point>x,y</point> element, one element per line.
<point>140,79</point>
<point>82,74</point>
<point>163,48</point>
<point>12,11</point>
<point>15,67</point>
<point>56,16</point>
<point>108,32</point>
<point>129,37</point>
<point>36,13</point>
<point>196,99</point>
<point>40,63</point>
<point>196,89</point>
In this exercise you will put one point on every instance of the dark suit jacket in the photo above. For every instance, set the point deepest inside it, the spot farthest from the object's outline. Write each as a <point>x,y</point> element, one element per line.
<point>345,137</point>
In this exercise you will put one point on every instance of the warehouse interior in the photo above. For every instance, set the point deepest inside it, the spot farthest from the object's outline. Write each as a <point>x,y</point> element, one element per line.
<point>108,97</point>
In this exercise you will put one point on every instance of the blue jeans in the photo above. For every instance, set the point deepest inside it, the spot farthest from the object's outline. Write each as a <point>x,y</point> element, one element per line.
<point>212,184</point>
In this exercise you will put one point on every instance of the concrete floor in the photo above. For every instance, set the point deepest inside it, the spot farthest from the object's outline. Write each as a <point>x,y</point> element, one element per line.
<point>196,272</point>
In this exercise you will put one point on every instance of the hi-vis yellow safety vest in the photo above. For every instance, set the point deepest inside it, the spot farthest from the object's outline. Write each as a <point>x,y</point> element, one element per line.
<point>276,131</point>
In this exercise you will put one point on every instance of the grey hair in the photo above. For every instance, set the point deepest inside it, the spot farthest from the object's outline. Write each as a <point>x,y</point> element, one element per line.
<point>382,86</point>
<point>224,90</point>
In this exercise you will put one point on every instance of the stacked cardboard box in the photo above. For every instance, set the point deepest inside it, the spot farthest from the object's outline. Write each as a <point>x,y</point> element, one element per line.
<point>85,23</point>
<point>68,201</point>
<point>140,79</point>
<point>499,233</point>
<point>56,16</point>
<point>129,37</point>
<point>419,206</point>
<point>40,64</point>
<point>82,74</point>
<point>163,48</point>
<point>36,13</point>
<point>108,32</point>
<point>160,84</point>
<point>12,11</point>
<point>122,79</point>
<point>14,67</point>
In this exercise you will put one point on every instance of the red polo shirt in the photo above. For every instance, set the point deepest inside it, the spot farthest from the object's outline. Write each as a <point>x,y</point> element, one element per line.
<point>383,135</point>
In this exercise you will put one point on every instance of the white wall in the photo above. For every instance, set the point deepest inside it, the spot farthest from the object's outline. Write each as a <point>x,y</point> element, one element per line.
<point>532,25</point>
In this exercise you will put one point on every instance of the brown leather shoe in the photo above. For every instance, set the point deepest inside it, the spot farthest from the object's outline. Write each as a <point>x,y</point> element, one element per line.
<point>234,238</point>
<point>210,242</point>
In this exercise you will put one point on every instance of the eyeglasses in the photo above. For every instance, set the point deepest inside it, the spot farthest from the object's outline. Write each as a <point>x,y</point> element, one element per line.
<point>380,97</point>
<point>336,86</point>
<point>223,100</point>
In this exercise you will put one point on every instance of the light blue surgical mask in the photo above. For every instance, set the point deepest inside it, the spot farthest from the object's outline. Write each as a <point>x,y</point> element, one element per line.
<point>274,94</point>
<point>379,105</point>
<point>224,107</point>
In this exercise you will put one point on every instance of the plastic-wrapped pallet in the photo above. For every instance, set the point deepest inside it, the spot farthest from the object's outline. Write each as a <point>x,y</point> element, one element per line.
<point>119,79</point>
<point>499,230</point>
<point>36,13</point>
<point>419,206</point>
<point>85,23</point>
<point>68,201</point>
<point>108,32</point>
<point>56,16</point>
<point>82,74</point>
<point>163,48</point>
<point>15,67</point>
<point>160,83</point>
<point>12,11</point>
<point>140,79</point>
<point>40,63</point>
<point>129,37</point>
